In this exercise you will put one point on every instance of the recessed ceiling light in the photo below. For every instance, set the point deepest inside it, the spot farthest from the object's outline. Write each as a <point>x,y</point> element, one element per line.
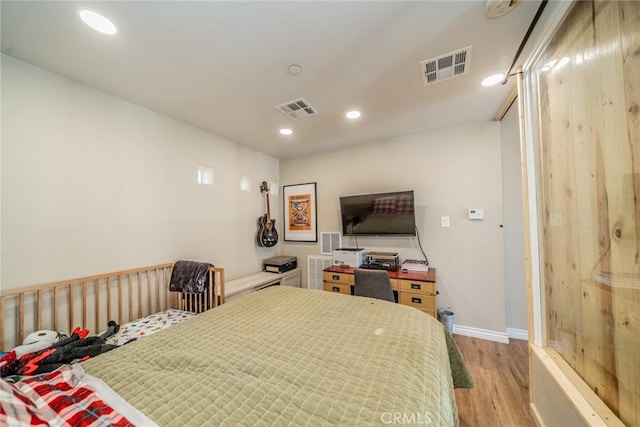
<point>286,131</point>
<point>353,114</point>
<point>493,79</point>
<point>98,22</point>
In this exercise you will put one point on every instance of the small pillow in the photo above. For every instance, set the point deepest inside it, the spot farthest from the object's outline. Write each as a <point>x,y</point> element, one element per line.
<point>404,205</point>
<point>384,205</point>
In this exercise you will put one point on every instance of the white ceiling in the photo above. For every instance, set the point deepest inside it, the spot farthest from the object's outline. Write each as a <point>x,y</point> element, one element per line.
<point>222,66</point>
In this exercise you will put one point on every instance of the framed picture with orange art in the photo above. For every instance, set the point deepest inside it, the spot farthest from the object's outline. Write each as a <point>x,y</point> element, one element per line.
<point>300,212</point>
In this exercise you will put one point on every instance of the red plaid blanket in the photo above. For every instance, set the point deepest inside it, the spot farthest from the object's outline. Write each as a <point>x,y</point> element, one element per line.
<point>58,398</point>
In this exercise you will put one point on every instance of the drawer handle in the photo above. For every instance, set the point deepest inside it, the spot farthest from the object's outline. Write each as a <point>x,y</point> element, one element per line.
<point>416,300</point>
<point>335,277</point>
<point>335,289</point>
<point>415,286</point>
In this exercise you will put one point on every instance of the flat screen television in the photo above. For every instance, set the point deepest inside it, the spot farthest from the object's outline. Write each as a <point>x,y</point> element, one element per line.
<point>380,214</point>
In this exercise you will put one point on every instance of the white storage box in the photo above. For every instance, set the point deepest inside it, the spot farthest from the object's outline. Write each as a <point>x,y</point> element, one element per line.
<point>348,257</point>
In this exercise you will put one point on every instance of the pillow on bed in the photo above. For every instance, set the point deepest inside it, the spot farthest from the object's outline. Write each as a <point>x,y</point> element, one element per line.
<point>384,205</point>
<point>404,205</point>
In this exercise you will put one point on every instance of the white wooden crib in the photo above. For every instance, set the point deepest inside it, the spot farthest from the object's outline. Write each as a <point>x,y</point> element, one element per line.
<point>90,302</point>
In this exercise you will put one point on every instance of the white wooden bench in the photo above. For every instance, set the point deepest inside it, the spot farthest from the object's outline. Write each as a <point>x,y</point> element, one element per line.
<point>261,280</point>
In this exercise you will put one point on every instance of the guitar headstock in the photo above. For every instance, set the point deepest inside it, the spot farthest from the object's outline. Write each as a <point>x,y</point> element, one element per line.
<point>264,187</point>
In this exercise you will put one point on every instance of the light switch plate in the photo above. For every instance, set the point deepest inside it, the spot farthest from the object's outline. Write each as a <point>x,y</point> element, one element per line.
<point>444,222</point>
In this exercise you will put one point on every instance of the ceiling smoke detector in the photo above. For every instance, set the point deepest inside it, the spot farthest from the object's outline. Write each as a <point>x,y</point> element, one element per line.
<point>294,69</point>
<point>297,109</point>
<point>444,67</point>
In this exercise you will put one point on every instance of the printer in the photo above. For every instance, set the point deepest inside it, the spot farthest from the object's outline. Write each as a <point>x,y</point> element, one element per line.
<point>351,257</point>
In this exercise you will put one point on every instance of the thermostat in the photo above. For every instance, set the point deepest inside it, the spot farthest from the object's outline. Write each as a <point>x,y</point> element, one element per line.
<point>476,213</point>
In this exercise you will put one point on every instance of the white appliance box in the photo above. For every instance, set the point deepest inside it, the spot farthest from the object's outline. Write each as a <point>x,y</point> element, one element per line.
<point>345,256</point>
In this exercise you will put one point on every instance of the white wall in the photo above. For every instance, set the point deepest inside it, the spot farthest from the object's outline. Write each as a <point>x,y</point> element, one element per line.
<point>450,171</point>
<point>93,184</point>
<point>514,257</point>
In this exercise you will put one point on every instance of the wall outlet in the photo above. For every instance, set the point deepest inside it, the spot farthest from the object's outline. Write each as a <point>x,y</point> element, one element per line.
<point>444,222</point>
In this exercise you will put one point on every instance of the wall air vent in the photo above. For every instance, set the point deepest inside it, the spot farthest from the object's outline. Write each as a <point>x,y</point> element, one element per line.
<point>444,67</point>
<point>297,109</point>
<point>315,265</point>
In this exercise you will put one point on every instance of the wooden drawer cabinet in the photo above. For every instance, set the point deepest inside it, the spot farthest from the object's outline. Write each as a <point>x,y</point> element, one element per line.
<point>418,294</point>
<point>338,288</point>
<point>426,303</point>
<point>415,289</point>
<point>342,278</point>
<point>337,282</point>
<point>427,288</point>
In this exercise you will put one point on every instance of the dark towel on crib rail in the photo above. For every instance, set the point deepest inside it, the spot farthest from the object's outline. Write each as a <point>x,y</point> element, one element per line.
<point>190,276</point>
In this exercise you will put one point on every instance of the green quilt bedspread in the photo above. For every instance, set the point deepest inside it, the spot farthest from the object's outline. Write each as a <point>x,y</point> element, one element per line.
<point>289,356</point>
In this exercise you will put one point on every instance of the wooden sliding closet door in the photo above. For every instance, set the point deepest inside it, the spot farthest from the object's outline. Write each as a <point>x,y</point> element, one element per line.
<point>588,142</point>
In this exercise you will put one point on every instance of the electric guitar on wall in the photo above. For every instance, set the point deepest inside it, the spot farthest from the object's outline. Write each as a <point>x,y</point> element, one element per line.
<point>267,234</point>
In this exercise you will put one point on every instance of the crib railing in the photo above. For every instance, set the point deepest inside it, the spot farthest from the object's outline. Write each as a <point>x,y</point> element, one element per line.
<point>90,302</point>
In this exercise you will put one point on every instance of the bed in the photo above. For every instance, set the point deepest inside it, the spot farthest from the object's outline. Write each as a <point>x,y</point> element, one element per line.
<point>290,356</point>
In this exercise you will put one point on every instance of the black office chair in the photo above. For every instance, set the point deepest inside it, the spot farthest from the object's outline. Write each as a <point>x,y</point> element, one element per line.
<point>373,284</point>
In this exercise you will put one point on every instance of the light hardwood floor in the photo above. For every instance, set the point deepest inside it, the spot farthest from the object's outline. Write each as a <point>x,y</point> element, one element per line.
<point>501,375</point>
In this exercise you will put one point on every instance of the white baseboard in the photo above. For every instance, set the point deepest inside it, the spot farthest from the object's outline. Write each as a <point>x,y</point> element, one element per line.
<point>518,334</point>
<point>484,334</point>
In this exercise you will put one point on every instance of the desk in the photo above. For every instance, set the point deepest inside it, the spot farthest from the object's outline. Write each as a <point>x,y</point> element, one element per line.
<point>416,288</point>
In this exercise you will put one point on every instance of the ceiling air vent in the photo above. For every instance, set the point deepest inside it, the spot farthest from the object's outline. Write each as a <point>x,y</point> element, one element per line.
<point>444,67</point>
<point>297,109</point>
